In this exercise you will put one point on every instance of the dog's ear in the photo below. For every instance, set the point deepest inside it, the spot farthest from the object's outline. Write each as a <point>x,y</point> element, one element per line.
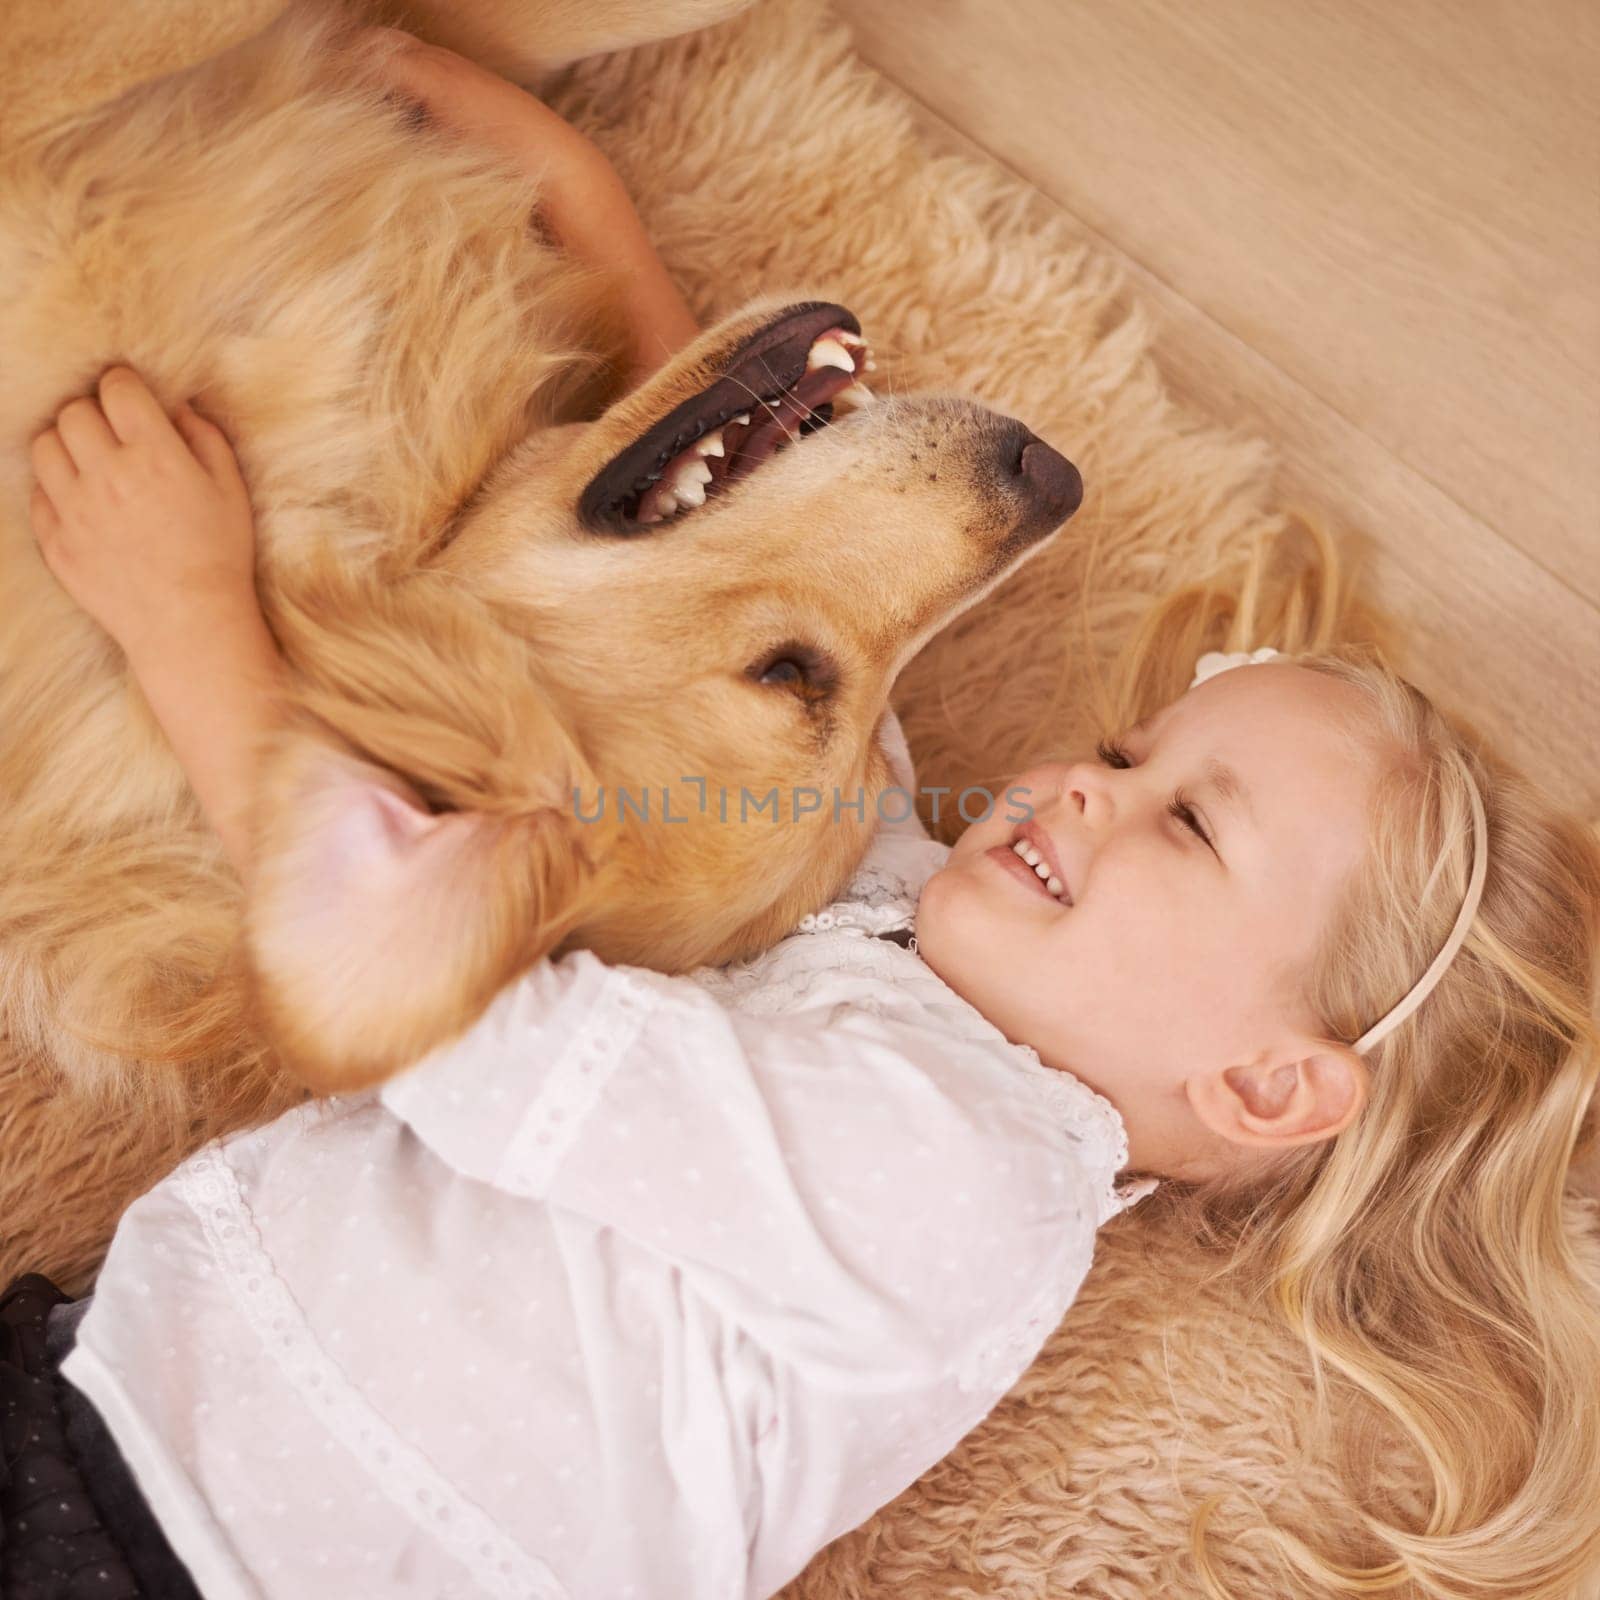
<point>418,840</point>
<point>377,928</point>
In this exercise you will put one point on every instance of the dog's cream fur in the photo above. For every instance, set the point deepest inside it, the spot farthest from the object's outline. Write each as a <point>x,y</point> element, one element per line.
<point>400,361</point>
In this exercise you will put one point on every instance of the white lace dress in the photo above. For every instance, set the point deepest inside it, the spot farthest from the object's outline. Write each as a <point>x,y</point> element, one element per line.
<point>644,1287</point>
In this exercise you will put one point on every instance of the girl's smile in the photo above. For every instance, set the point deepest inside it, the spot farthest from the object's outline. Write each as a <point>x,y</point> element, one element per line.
<point>1009,859</point>
<point>1202,857</point>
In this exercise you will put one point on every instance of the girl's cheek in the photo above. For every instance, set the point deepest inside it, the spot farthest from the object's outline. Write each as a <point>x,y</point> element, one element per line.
<point>931,902</point>
<point>1025,796</point>
<point>942,910</point>
<point>1127,889</point>
<point>977,838</point>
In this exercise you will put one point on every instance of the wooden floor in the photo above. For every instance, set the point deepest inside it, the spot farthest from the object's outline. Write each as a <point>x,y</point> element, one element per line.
<point>1369,230</point>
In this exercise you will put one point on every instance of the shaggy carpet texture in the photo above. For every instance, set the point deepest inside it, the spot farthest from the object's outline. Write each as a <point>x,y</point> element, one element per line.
<point>765,156</point>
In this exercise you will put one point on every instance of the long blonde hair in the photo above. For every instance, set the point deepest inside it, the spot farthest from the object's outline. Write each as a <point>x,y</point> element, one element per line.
<point>1422,1256</point>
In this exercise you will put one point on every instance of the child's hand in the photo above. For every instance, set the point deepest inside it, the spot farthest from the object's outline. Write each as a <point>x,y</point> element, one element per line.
<point>469,100</point>
<point>146,524</point>
<point>582,200</point>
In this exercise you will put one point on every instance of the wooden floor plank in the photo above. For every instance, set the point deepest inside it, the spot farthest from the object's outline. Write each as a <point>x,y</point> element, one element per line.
<point>1494,635</point>
<point>1396,202</point>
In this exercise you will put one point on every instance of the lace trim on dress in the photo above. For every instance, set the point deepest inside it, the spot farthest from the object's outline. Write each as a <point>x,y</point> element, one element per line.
<point>774,993</point>
<point>875,900</point>
<point>1095,1123</point>
<point>575,1083</point>
<point>876,885</point>
<point>495,1560</point>
<point>845,917</point>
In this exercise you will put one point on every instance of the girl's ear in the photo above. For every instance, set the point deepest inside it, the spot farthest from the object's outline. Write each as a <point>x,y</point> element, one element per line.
<point>383,913</point>
<point>1300,1092</point>
<point>377,929</point>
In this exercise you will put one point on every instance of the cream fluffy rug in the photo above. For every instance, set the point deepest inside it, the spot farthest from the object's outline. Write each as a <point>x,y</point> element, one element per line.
<point>764,156</point>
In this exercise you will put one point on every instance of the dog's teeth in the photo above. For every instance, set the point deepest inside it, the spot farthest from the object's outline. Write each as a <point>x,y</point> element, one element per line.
<point>829,353</point>
<point>869,365</point>
<point>691,474</point>
<point>744,417</point>
<point>851,341</point>
<point>658,504</point>
<point>691,494</point>
<point>857,395</point>
<point>710,444</point>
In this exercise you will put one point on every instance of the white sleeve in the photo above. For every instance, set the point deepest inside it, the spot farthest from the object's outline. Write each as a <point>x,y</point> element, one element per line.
<point>860,1189</point>
<point>500,1098</point>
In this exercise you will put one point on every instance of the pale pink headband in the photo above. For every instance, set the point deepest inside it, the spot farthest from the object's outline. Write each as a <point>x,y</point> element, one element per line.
<point>1215,661</point>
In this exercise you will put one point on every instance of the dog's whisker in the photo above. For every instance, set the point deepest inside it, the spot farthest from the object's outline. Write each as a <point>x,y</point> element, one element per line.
<point>786,391</point>
<point>789,408</point>
<point>782,393</point>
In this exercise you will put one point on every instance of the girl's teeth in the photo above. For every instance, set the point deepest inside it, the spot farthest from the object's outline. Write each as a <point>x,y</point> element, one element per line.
<point>1033,858</point>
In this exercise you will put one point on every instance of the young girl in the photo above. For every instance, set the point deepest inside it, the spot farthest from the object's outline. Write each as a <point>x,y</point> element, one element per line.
<point>652,1286</point>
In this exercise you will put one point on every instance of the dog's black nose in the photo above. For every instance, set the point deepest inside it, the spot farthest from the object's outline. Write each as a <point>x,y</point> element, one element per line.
<point>1054,480</point>
<point>1046,484</point>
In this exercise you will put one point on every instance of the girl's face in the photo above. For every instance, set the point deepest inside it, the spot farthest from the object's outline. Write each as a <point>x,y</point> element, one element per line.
<point>1201,855</point>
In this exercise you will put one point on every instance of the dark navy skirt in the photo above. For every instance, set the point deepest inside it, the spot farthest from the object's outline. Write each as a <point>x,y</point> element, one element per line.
<point>73,1524</point>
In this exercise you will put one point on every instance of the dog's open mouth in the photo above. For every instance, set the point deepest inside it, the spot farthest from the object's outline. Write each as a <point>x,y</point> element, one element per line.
<point>788,380</point>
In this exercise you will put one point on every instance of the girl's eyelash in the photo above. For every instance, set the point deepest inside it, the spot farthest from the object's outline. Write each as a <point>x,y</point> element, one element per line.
<point>1113,754</point>
<point>1181,809</point>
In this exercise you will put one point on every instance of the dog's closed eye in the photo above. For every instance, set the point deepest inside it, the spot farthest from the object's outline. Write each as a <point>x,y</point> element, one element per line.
<point>804,668</point>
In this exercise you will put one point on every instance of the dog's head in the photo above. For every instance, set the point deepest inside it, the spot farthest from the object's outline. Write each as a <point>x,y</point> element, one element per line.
<point>634,699</point>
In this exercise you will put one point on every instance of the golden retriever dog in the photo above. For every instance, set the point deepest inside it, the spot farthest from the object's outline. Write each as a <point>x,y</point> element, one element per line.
<point>496,630</point>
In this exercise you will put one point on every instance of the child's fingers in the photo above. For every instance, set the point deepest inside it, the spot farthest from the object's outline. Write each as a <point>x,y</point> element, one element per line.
<point>209,443</point>
<point>46,524</point>
<point>86,434</point>
<point>52,466</point>
<point>132,410</point>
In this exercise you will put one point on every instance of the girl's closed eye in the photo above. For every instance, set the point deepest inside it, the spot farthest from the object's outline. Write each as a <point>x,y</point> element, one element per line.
<point>1114,755</point>
<point>1180,808</point>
